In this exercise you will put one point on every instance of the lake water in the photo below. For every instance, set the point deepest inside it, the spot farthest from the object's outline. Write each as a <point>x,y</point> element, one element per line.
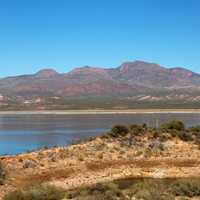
<point>20,133</point>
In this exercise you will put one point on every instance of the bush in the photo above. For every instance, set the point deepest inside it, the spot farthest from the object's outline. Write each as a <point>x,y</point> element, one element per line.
<point>2,174</point>
<point>185,136</point>
<point>109,191</point>
<point>149,190</point>
<point>136,129</point>
<point>189,188</point>
<point>173,125</point>
<point>197,139</point>
<point>163,137</point>
<point>119,130</point>
<point>42,192</point>
<point>194,129</point>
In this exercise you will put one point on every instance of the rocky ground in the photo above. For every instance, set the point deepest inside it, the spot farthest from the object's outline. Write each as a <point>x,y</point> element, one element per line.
<point>104,159</point>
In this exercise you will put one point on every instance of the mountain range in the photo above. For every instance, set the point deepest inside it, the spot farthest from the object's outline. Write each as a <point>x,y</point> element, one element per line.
<point>132,83</point>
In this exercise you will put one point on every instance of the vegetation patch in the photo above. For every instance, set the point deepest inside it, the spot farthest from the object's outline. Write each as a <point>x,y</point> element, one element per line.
<point>127,189</point>
<point>173,125</point>
<point>40,192</point>
<point>137,129</point>
<point>186,187</point>
<point>2,174</point>
<point>163,133</point>
<point>124,145</point>
<point>119,130</point>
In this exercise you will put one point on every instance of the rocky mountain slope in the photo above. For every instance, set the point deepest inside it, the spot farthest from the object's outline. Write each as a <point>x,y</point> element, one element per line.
<point>136,81</point>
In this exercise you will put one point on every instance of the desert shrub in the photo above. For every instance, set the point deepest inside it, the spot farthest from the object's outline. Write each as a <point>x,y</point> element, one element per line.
<point>163,137</point>
<point>126,189</point>
<point>185,136</point>
<point>197,139</point>
<point>186,187</point>
<point>160,135</point>
<point>194,129</point>
<point>144,126</point>
<point>149,190</point>
<point>119,130</point>
<point>173,133</point>
<point>109,191</point>
<point>155,133</point>
<point>173,125</point>
<point>2,174</point>
<point>41,192</point>
<point>152,194</point>
<point>136,129</point>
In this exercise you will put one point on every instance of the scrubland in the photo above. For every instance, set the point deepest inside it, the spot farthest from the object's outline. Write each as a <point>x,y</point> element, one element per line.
<point>128,162</point>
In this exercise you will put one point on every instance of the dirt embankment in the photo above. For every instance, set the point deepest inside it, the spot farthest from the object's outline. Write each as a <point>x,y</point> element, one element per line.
<point>100,160</point>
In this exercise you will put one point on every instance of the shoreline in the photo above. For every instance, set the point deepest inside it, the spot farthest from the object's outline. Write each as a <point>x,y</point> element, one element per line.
<point>100,111</point>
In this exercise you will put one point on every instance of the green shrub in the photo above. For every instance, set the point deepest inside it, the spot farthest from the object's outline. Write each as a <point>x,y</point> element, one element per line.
<point>149,190</point>
<point>197,139</point>
<point>155,133</point>
<point>108,191</point>
<point>188,188</point>
<point>119,130</point>
<point>136,129</point>
<point>2,174</point>
<point>194,129</point>
<point>41,192</point>
<point>144,126</point>
<point>173,125</point>
<point>185,136</point>
<point>163,137</point>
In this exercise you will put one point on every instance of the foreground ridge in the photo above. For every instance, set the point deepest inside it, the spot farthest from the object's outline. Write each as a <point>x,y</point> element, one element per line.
<point>171,151</point>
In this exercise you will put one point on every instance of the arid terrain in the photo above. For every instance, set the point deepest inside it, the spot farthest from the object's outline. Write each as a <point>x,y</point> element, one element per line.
<point>138,152</point>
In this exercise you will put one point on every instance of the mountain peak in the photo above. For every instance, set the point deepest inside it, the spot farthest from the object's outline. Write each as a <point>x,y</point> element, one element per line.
<point>138,65</point>
<point>46,73</point>
<point>127,80</point>
<point>87,70</point>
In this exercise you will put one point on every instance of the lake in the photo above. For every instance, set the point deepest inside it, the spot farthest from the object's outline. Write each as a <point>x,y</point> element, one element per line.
<point>20,133</point>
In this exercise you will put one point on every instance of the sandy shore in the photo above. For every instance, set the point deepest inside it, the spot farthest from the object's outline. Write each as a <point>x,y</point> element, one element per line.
<point>85,112</point>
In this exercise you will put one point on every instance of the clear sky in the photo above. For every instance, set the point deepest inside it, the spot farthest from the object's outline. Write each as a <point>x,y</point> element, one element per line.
<point>63,34</point>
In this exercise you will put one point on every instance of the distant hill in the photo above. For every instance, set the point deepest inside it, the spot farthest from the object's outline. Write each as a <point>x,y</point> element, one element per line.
<point>131,83</point>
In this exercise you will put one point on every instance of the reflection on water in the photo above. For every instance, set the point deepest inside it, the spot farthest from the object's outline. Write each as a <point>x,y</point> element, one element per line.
<point>19,133</point>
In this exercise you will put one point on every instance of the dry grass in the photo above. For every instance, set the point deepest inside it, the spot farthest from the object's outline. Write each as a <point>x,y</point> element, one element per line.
<point>44,176</point>
<point>101,165</point>
<point>91,162</point>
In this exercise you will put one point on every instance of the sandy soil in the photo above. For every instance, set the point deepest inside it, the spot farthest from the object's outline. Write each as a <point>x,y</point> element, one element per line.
<point>100,160</point>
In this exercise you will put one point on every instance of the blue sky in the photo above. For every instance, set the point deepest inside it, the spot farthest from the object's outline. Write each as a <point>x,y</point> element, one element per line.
<point>63,34</point>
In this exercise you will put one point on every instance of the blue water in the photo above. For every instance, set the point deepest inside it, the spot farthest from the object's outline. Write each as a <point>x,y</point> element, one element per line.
<point>20,133</point>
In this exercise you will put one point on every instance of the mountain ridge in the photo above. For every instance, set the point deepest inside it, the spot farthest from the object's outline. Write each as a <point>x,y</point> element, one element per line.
<point>136,81</point>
